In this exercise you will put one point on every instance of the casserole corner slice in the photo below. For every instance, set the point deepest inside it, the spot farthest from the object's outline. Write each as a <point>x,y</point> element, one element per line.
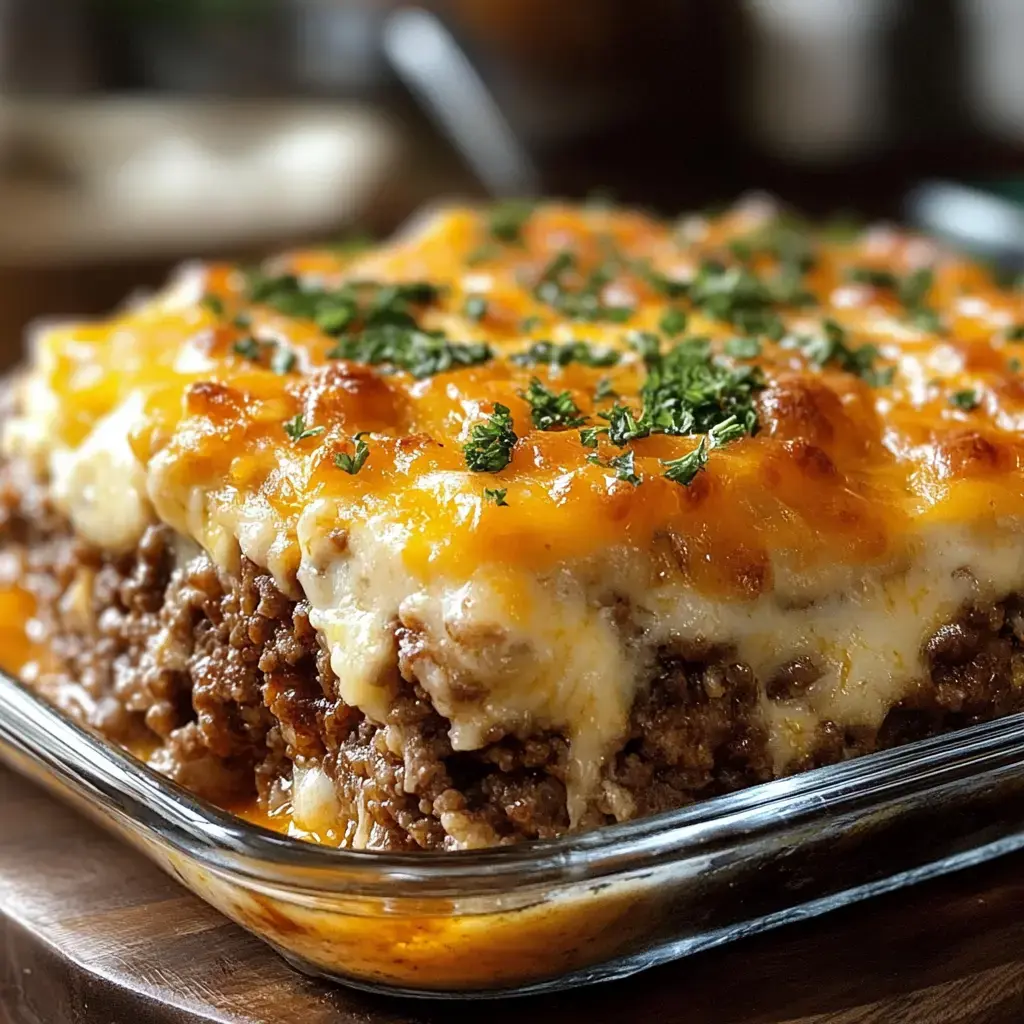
<point>538,519</point>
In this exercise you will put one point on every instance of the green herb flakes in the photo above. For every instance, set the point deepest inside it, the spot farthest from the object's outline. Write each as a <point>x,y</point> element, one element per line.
<point>625,468</point>
<point>283,360</point>
<point>743,348</point>
<point>214,303</point>
<point>248,348</point>
<point>673,322</point>
<point>873,277</point>
<point>683,470</point>
<point>968,399</point>
<point>351,464</point>
<point>583,302</point>
<point>475,308</point>
<point>831,348</point>
<point>297,430</point>
<point>547,353</point>
<point>489,448</point>
<point>420,353</point>
<point>551,411</point>
<point>507,220</point>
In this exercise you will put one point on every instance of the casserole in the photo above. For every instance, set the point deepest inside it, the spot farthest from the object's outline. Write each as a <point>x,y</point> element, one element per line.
<point>563,912</point>
<point>531,525</point>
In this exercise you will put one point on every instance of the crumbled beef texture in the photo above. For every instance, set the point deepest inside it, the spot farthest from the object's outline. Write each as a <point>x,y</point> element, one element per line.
<point>695,731</point>
<point>226,681</point>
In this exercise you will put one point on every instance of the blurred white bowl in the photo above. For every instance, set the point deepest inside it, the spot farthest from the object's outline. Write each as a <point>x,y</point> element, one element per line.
<point>115,178</point>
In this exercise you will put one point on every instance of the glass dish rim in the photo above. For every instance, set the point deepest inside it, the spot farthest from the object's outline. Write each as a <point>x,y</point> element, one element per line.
<point>222,840</point>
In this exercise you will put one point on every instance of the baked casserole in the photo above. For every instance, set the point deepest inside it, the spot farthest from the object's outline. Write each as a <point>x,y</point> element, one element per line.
<point>535,519</point>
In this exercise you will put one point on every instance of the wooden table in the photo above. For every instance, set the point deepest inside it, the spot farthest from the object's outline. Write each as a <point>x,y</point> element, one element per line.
<point>90,931</point>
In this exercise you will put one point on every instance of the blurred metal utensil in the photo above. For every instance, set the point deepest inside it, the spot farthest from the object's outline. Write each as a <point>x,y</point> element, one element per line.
<point>979,222</point>
<point>431,63</point>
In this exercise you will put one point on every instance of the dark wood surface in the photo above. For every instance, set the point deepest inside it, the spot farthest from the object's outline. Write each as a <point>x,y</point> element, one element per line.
<point>90,931</point>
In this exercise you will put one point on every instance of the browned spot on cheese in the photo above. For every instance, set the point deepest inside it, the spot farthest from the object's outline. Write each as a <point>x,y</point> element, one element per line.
<point>970,453</point>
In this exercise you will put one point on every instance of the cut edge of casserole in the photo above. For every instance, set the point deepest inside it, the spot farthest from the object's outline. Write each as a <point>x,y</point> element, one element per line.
<point>534,520</point>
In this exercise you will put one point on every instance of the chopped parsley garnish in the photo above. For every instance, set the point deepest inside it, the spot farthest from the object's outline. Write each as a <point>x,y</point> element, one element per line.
<point>585,302</point>
<point>335,311</point>
<point>625,468</point>
<point>914,288</point>
<point>830,348</point>
<point>556,267</point>
<point>248,348</point>
<point>673,322</point>
<point>968,399</point>
<point>647,345</point>
<point>334,320</point>
<point>1014,365</point>
<point>529,323</point>
<point>623,425</point>
<point>604,390</point>
<point>743,348</point>
<point>911,291</point>
<point>748,300</point>
<point>725,432</point>
<point>1015,333</point>
<point>589,435</point>
<point>214,303</point>
<point>926,320</point>
<point>283,360</point>
<point>420,353</point>
<point>688,391</point>
<point>475,308</point>
<point>507,220</point>
<point>683,470</point>
<point>496,495</point>
<point>667,286</point>
<point>297,430</point>
<point>551,411</point>
<point>242,321</point>
<point>873,277</point>
<point>738,296</point>
<point>483,254</point>
<point>547,353</point>
<point>351,464</point>
<point>489,448</point>
<point>785,238</point>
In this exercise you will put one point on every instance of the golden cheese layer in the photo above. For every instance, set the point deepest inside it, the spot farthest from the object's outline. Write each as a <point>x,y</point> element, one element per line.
<point>329,428</point>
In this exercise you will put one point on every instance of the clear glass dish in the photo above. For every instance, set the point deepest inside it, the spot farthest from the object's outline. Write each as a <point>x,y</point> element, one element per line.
<point>561,913</point>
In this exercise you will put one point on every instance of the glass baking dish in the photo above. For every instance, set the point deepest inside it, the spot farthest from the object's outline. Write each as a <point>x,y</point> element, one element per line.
<point>561,913</point>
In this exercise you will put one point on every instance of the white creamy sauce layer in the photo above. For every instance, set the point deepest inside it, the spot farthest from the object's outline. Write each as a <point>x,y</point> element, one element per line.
<point>568,658</point>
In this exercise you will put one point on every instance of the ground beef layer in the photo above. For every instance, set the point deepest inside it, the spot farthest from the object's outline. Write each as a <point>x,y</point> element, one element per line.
<point>226,686</point>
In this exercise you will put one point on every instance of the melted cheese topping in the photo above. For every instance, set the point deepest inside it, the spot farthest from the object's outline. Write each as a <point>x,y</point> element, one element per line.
<point>856,520</point>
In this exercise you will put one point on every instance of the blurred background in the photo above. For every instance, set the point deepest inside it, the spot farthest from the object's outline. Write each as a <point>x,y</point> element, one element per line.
<point>136,133</point>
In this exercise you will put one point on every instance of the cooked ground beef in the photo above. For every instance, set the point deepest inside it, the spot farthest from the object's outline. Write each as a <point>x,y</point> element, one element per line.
<point>229,686</point>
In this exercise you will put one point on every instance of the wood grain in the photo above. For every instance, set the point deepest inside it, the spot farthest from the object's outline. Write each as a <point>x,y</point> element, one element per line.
<point>90,931</point>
